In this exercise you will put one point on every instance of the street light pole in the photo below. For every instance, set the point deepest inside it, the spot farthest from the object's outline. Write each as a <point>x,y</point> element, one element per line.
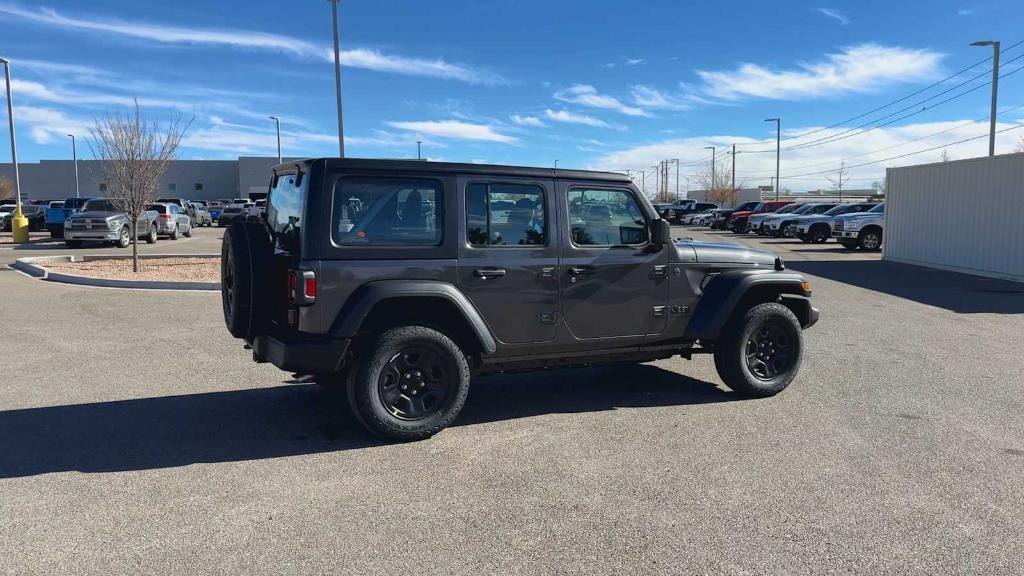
<point>337,77</point>
<point>714,175</point>
<point>74,155</point>
<point>277,122</point>
<point>19,224</point>
<point>778,152</point>
<point>419,155</point>
<point>995,92</point>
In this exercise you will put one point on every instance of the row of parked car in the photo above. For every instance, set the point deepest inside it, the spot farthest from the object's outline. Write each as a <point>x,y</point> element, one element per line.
<point>78,220</point>
<point>853,224</point>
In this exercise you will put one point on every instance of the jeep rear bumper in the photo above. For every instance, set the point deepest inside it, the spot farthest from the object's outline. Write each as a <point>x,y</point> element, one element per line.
<point>305,354</point>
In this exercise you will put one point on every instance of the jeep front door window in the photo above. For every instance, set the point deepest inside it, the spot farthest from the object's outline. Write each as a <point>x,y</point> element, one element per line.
<point>614,283</point>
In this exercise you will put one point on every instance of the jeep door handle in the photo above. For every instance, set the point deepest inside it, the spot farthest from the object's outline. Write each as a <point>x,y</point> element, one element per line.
<point>486,273</point>
<point>581,271</point>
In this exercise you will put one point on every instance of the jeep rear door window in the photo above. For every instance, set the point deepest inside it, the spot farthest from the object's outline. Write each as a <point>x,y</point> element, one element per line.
<point>605,218</point>
<point>505,215</point>
<point>284,211</point>
<point>387,212</point>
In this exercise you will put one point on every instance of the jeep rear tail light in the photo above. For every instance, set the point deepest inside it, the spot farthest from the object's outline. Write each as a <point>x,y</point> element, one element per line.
<point>302,287</point>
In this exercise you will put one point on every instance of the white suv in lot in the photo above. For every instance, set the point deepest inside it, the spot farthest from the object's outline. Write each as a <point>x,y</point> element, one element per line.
<point>863,230</point>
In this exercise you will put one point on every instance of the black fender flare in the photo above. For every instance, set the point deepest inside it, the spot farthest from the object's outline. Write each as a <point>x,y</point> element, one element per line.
<point>359,305</point>
<point>726,290</point>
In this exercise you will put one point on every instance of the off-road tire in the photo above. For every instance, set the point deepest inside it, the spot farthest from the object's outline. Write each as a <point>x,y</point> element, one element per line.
<point>244,268</point>
<point>365,388</point>
<point>732,348</point>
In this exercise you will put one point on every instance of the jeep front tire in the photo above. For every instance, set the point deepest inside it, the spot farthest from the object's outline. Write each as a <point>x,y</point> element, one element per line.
<point>411,384</point>
<point>760,351</point>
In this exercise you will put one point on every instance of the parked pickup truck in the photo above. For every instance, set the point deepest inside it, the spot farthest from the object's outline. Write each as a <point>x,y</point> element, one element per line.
<point>99,220</point>
<point>400,280</point>
<point>55,217</point>
<point>860,230</point>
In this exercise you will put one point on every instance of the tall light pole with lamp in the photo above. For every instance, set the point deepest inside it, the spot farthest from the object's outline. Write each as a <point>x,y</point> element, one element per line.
<point>778,152</point>
<point>337,77</point>
<point>277,122</point>
<point>74,156</point>
<point>995,92</point>
<point>19,224</point>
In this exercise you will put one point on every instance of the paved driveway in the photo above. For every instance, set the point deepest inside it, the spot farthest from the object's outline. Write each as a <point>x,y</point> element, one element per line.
<point>137,437</point>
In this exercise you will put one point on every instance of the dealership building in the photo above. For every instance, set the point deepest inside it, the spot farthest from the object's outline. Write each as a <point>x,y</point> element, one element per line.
<point>191,179</point>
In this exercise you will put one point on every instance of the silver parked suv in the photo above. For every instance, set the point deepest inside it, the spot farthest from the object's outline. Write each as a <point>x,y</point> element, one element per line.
<point>172,220</point>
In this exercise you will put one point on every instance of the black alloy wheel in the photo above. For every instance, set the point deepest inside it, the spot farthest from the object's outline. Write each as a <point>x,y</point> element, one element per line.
<point>769,351</point>
<point>416,382</point>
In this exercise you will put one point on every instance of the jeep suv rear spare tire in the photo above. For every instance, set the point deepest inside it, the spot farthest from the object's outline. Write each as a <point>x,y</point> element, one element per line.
<point>760,351</point>
<point>411,384</point>
<point>245,257</point>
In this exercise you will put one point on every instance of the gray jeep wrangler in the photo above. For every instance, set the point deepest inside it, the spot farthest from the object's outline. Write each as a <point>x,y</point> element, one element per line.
<point>401,280</point>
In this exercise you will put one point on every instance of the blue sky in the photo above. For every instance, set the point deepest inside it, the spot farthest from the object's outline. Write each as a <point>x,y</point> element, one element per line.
<point>609,85</point>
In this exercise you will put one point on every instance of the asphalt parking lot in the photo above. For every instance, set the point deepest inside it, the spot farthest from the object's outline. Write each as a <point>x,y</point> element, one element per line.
<point>136,436</point>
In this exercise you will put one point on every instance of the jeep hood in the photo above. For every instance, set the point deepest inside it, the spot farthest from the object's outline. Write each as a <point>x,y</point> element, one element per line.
<point>722,253</point>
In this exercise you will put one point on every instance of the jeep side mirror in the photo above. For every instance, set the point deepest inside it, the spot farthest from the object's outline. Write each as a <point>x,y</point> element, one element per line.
<point>661,232</point>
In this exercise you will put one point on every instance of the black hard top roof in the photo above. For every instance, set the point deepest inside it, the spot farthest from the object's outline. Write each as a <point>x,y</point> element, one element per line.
<point>460,167</point>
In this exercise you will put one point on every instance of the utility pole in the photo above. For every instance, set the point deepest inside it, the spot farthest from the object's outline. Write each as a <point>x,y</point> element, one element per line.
<point>995,92</point>
<point>778,152</point>
<point>337,77</point>
<point>733,168</point>
<point>676,160</point>
<point>74,156</point>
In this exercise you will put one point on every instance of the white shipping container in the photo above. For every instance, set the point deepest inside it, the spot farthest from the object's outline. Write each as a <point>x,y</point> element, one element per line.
<point>962,215</point>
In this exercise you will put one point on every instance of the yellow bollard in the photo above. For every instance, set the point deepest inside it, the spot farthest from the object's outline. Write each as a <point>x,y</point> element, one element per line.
<point>19,226</point>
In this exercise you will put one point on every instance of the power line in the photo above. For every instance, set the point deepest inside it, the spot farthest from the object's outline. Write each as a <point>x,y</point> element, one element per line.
<point>884,106</point>
<point>925,137</point>
<point>985,135</point>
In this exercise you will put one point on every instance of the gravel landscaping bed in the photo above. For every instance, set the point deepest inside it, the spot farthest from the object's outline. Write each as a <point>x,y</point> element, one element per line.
<point>157,269</point>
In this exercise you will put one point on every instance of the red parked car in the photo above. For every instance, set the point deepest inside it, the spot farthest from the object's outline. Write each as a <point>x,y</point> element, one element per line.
<point>738,220</point>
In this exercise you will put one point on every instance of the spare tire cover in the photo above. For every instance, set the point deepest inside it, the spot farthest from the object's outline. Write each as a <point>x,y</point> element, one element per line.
<point>245,259</point>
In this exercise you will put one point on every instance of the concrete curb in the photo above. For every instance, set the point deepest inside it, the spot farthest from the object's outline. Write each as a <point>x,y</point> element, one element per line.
<point>35,267</point>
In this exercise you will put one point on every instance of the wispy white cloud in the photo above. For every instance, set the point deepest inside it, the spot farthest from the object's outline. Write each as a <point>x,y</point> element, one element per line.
<point>456,129</point>
<point>586,95</point>
<point>965,12</point>
<point>573,118</point>
<point>39,91</point>
<point>834,14</point>
<point>253,40</point>
<point>652,98</point>
<point>862,68</point>
<point>634,61</point>
<point>531,121</point>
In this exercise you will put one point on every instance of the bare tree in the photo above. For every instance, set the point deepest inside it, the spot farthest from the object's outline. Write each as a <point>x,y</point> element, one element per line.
<point>134,155</point>
<point>879,186</point>
<point>718,184</point>
<point>1020,144</point>
<point>945,157</point>
<point>841,178</point>
<point>6,189</point>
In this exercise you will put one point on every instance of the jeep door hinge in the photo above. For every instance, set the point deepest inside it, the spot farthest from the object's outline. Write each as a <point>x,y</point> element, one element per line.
<point>548,317</point>
<point>661,271</point>
<point>659,311</point>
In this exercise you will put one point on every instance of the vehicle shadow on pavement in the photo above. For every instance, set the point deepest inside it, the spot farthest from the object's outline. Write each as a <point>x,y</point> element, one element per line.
<point>292,420</point>
<point>575,390</point>
<point>960,293</point>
